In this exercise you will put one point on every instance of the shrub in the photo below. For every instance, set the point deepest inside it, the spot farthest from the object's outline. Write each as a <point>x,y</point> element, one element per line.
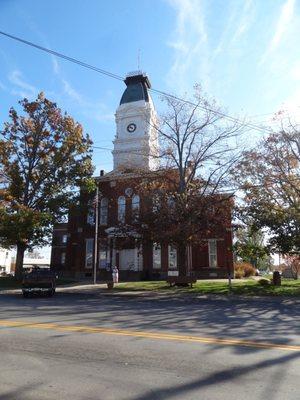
<point>238,273</point>
<point>264,281</point>
<point>243,270</point>
<point>249,270</point>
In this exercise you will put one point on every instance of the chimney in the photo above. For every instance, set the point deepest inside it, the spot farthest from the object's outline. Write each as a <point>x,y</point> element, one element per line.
<point>102,172</point>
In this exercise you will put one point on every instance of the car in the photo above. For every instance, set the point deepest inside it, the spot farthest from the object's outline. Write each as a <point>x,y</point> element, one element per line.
<point>39,281</point>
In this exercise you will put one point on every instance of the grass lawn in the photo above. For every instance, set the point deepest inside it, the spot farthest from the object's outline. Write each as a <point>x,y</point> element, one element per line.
<point>246,287</point>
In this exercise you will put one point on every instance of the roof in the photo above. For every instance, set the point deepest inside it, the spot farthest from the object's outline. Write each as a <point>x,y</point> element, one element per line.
<point>137,88</point>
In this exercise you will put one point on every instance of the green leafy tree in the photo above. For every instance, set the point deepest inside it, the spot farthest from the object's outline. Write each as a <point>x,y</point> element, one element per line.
<point>249,247</point>
<point>270,178</point>
<point>44,158</point>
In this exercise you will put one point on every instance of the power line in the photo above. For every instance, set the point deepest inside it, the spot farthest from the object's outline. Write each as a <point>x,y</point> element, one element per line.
<point>284,110</point>
<point>118,77</point>
<point>71,59</point>
<point>243,187</point>
<point>221,114</point>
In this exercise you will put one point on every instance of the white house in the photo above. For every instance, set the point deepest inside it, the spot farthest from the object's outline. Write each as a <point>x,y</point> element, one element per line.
<point>6,258</point>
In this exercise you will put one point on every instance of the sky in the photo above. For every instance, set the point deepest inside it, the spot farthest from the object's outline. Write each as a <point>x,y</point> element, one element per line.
<point>244,53</point>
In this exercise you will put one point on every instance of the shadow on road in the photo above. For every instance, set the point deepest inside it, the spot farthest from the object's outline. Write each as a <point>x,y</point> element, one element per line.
<point>19,392</point>
<point>270,320</point>
<point>220,378</point>
<point>263,320</point>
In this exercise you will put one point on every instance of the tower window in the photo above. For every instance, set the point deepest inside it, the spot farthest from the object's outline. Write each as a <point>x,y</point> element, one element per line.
<point>121,209</point>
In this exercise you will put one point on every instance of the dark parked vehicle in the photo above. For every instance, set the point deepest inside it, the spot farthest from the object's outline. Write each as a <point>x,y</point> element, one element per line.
<point>39,281</point>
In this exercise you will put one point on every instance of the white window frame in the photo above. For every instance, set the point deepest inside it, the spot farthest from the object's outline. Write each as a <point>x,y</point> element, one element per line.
<point>213,253</point>
<point>172,264</point>
<point>156,255</point>
<point>89,252</point>
<point>104,211</point>
<point>121,209</point>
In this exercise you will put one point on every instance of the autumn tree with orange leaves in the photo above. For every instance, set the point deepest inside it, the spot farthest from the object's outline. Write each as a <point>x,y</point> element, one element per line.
<point>44,158</point>
<point>188,196</point>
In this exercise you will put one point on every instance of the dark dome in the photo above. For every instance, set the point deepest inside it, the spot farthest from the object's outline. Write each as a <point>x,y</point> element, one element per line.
<point>137,88</point>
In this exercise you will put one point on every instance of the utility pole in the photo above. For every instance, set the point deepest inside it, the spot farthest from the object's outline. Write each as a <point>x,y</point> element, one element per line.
<point>96,233</point>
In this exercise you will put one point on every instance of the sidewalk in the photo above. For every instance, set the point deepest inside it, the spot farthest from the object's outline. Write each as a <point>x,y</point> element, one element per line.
<point>101,289</point>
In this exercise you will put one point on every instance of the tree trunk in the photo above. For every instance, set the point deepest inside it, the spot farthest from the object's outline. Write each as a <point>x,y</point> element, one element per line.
<point>181,260</point>
<point>19,260</point>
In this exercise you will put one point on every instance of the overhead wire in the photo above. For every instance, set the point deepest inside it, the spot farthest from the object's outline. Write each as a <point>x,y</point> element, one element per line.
<point>120,78</point>
<point>63,56</point>
<point>153,90</point>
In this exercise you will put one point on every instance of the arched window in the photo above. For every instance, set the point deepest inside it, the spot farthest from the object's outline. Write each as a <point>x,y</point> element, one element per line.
<point>121,209</point>
<point>171,203</point>
<point>103,211</point>
<point>156,203</point>
<point>135,206</point>
<point>91,216</point>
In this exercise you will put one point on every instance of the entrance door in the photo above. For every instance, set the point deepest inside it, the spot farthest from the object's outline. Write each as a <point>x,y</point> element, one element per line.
<point>127,260</point>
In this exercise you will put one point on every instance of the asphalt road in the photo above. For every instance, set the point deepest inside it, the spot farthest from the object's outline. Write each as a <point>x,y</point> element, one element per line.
<point>93,346</point>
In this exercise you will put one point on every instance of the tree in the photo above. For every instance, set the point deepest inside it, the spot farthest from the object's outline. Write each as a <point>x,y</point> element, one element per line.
<point>249,247</point>
<point>270,178</point>
<point>44,157</point>
<point>197,151</point>
<point>292,262</point>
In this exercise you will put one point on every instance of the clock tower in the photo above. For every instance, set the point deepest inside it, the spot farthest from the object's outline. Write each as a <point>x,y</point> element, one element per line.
<point>136,140</point>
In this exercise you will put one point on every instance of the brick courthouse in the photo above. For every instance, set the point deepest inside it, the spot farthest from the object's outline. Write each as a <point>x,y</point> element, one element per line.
<point>135,148</point>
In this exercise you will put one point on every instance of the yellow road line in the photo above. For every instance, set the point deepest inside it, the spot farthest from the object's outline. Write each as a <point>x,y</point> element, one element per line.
<point>147,335</point>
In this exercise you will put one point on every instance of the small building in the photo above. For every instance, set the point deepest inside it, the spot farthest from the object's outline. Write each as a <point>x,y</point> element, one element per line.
<point>135,149</point>
<point>6,260</point>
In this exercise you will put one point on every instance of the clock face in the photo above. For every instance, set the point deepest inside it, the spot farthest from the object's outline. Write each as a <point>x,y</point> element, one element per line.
<point>131,127</point>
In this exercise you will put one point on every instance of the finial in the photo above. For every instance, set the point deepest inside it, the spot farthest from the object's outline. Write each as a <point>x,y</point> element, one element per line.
<point>139,59</point>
